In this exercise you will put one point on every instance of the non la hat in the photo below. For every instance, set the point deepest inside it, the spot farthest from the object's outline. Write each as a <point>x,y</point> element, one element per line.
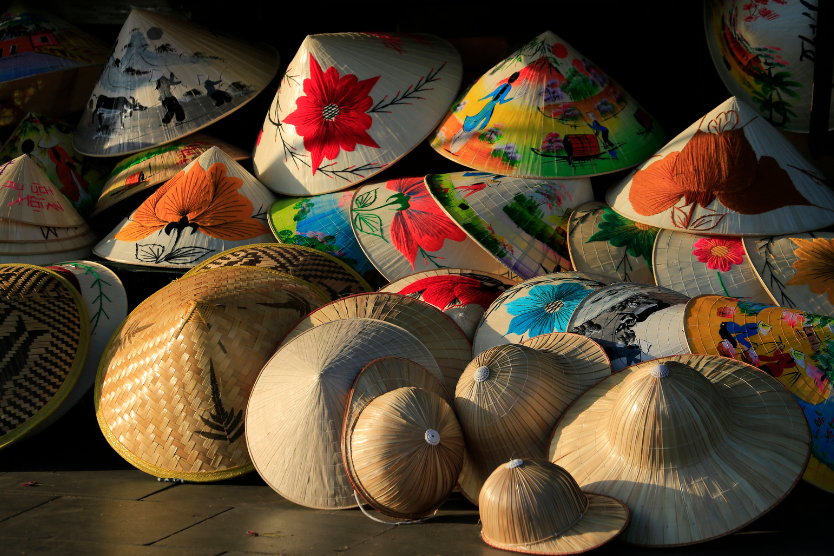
<point>28,197</point>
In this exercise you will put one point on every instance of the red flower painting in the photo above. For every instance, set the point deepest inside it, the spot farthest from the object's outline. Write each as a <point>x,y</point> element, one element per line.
<point>719,253</point>
<point>445,292</point>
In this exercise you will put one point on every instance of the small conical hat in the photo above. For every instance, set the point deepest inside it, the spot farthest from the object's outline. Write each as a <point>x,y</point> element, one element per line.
<point>536,507</point>
<point>351,104</point>
<point>165,79</point>
<point>212,205</point>
<point>574,351</point>
<point>729,173</point>
<point>43,259</point>
<point>605,243</point>
<point>205,338</point>
<point>522,223</point>
<point>663,436</point>
<point>404,452</point>
<point>296,412</point>
<point>143,170</point>
<point>462,294</point>
<point>80,241</point>
<point>45,334</point>
<point>403,230</point>
<point>537,306</point>
<point>698,265</point>
<point>546,111</point>
<point>27,196</point>
<point>17,232</point>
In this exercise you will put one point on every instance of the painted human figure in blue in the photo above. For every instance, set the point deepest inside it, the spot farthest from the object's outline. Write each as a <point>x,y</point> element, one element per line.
<point>498,96</point>
<point>600,131</point>
<point>738,334</point>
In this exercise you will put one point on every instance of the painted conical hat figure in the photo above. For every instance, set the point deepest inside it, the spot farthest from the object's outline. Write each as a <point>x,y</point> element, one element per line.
<point>729,173</point>
<point>793,346</point>
<point>165,79</point>
<point>662,436</point>
<point>764,54</point>
<point>211,205</point>
<point>351,104</point>
<point>28,197</point>
<point>546,111</point>
<point>522,223</point>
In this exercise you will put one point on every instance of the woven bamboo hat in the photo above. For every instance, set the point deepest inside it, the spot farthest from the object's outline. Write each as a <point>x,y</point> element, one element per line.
<point>729,173</point>
<point>697,265</point>
<point>447,343</point>
<point>352,104</point>
<point>536,306</point>
<point>605,243</point>
<point>403,230</point>
<point>211,205</point>
<point>665,435</point>
<point>404,451</point>
<point>508,400</point>
<point>522,223</point>
<point>45,334</point>
<point>572,351</point>
<point>143,170</point>
<point>297,407</point>
<point>165,79</point>
<point>16,232</point>
<point>28,197</point>
<point>462,294</point>
<point>536,507</point>
<point>205,338</point>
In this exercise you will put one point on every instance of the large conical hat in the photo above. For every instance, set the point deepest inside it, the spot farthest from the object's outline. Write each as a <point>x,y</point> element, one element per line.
<point>764,54</point>
<point>663,436</point>
<point>351,104</point>
<point>574,351</point>
<point>17,232</point>
<point>522,223</point>
<point>27,196</point>
<point>295,414</point>
<point>211,205</point>
<point>546,111</point>
<point>165,79</point>
<point>729,173</point>
<point>74,243</point>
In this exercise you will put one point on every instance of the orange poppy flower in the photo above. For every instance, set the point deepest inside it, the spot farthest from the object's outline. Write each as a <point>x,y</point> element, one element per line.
<point>207,201</point>
<point>815,266</point>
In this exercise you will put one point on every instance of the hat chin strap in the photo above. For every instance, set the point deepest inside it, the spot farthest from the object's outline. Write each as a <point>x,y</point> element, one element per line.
<point>421,520</point>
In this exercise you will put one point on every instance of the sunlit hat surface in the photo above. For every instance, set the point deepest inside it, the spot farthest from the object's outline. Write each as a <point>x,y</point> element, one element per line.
<point>28,197</point>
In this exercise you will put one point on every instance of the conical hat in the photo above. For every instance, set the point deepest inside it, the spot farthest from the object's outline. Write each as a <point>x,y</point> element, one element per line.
<point>351,104</point>
<point>165,79</point>
<point>462,294</point>
<point>508,400</point>
<point>224,207</point>
<point>404,452</point>
<point>321,222</point>
<point>546,111</point>
<point>796,270</point>
<point>27,196</point>
<point>536,306</point>
<point>605,243</point>
<point>74,243</point>
<point>536,507</point>
<point>790,345</point>
<point>143,170</point>
<point>206,338</point>
<point>296,411</point>
<point>17,232</point>
<point>45,334</point>
<point>572,351</point>
<point>43,259</point>
<point>523,223</point>
<point>403,230</point>
<point>665,436</point>
<point>446,342</point>
<point>764,54</point>
<point>729,173</point>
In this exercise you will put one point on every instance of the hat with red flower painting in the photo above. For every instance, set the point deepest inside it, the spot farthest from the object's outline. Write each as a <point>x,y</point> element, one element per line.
<point>351,104</point>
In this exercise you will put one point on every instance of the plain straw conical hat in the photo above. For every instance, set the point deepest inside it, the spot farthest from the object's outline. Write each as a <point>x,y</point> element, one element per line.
<point>462,294</point>
<point>80,241</point>
<point>574,351</point>
<point>295,415</point>
<point>663,436</point>
<point>17,232</point>
<point>522,223</point>
<point>537,306</point>
<point>729,173</point>
<point>165,79</point>
<point>27,196</point>
<point>536,507</point>
<point>351,104</point>
<point>605,243</point>
<point>211,205</point>
<point>205,338</point>
<point>43,259</point>
<point>404,451</point>
<point>45,334</point>
<point>403,230</point>
<point>546,111</point>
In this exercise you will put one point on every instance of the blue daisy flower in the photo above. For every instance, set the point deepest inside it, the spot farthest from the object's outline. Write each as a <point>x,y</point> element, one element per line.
<point>545,309</point>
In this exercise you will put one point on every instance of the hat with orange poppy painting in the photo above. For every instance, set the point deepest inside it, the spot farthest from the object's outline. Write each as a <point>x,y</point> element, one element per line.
<point>730,173</point>
<point>212,205</point>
